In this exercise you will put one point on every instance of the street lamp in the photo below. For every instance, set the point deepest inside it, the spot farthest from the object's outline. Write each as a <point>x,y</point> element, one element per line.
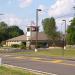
<point>37,10</point>
<point>74,10</point>
<point>65,35</point>
<point>1,14</point>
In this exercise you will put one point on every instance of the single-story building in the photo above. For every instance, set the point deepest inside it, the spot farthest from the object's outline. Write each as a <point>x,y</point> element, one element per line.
<point>31,37</point>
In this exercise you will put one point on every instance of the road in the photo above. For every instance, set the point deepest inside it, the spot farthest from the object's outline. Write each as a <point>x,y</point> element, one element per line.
<point>49,65</point>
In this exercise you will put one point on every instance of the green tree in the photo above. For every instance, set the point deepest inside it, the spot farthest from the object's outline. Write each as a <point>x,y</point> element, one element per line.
<point>71,33</point>
<point>3,27</point>
<point>7,32</point>
<point>3,31</point>
<point>14,31</point>
<point>49,26</point>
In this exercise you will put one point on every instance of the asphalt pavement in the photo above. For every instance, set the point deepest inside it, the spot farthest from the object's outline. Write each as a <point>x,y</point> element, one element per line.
<point>52,66</point>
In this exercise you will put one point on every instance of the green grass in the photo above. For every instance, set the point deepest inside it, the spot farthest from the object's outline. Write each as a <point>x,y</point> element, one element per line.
<point>13,71</point>
<point>69,53</point>
<point>52,52</point>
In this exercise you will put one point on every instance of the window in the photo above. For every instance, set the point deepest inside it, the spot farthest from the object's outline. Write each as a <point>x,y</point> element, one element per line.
<point>28,29</point>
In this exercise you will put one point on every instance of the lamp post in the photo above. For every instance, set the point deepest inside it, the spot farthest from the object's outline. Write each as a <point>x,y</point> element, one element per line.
<point>1,14</point>
<point>65,35</point>
<point>74,10</point>
<point>37,10</point>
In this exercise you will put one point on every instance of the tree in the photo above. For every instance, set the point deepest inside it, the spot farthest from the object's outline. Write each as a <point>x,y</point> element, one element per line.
<point>49,26</point>
<point>3,31</point>
<point>71,33</point>
<point>3,27</point>
<point>14,31</point>
<point>7,32</point>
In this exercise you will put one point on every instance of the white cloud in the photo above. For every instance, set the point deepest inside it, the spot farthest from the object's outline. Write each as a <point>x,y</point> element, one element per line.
<point>11,19</point>
<point>61,8</point>
<point>42,7</point>
<point>61,24</point>
<point>25,3</point>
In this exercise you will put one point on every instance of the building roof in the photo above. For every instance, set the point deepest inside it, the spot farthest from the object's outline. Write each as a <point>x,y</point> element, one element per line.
<point>19,38</point>
<point>41,37</point>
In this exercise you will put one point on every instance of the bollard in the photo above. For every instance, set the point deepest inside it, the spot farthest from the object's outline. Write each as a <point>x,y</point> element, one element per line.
<point>64,47</point>
<point>36,50</point>
<point>0,61</point>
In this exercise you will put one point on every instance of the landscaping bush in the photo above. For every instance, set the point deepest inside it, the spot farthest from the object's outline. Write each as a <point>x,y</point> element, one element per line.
<point>41,45</point>
<point>15,46</point>
<point>1,45</point>
<point>23,45</point>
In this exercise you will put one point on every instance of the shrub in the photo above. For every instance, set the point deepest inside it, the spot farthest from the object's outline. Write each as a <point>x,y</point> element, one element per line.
<point>15,46</point>
<point>23,45</point>
<point>41,45</point>
<point>1,45</point>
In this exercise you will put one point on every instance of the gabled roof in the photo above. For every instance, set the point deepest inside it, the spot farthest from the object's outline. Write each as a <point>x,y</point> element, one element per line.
<point>41,37</point>
<point>19,38</point>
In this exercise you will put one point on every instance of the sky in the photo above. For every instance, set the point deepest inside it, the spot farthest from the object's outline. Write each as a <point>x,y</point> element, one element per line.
<point>23,12</point>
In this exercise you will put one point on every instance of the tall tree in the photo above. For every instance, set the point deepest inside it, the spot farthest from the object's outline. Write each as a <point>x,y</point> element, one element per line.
<point>71,33</point>
<point>49,26</point>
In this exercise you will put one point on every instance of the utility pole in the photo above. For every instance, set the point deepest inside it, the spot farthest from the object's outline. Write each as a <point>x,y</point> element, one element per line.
<point>64,38</point>
<point>37,10</point>
<point>65,35</point>
<point>1,14</point>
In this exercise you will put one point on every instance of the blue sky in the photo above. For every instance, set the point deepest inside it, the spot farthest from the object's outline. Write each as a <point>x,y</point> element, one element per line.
<point>13,7</point>
<point>22,12</point>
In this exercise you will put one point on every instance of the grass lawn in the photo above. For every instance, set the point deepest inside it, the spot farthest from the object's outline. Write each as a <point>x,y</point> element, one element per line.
<point>13,71</point>
<point>52,52</point>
